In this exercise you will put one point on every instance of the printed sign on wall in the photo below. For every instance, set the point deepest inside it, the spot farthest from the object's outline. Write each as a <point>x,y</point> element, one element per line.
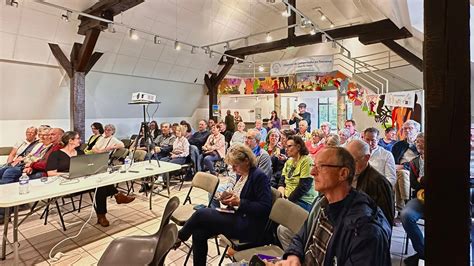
<point>315,64</point>
<point>400,99</point>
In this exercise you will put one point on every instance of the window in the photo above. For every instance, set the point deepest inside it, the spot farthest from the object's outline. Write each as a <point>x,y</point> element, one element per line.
<point>327,111</point>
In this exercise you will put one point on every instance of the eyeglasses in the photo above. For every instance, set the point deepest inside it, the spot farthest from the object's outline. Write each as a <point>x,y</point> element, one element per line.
<point>249,137</point>
<point>319,167</point>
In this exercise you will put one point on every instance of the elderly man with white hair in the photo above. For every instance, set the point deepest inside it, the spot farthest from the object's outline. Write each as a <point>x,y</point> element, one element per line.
<point>403,152</point>
<point>326,128</point>
<point>369,180</point>
<point>303,130</point>
<point>261,129</point>
<point>380,159</point>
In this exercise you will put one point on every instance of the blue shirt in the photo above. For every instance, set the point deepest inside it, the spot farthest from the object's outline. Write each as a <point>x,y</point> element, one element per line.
<point>387,146</point>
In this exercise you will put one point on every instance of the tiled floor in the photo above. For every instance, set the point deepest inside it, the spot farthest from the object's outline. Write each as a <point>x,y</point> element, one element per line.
<point>36,239</point>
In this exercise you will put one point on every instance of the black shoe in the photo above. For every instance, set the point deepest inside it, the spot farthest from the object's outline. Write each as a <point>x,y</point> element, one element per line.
<point>412,260</point>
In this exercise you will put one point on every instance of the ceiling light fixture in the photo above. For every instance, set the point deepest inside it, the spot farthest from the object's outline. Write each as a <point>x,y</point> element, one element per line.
<point>226,46</point>
<point>224,59</point>
<point>324,38</point>
<point>65,17</point>
<point>261,68</point>
<point>334,45</point>
<point>236,99</point>
<point>193,49</point>
<point>332,25</point>
<point>110,28</point>
<point>287,12</point>
<point>323,17</point>
<point>132,34</point>
<point>177,46</point>
<point>12,3</point>
<point>312,31</point>
<point>269,37</point>
<point>156,39</point>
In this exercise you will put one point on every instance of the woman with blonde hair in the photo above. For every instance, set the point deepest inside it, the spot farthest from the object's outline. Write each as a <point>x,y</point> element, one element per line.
<point>249,204</point>
<point>316,143</point>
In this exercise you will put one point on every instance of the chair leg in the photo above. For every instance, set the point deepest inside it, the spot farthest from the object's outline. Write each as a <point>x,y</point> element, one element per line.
<point>34,206</point>
<point>73,205</point>
<point>60,216</point>
<point>406,244</point>
<point>217,246</point>
<point>189,254</point>
<point>80,203</point>
<point>223,255</point>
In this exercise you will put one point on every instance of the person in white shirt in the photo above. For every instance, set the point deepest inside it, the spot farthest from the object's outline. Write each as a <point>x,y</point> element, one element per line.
<point>180,147</point>
<point>108,142</point>
<point>350,124</point>
<point>380,159</point>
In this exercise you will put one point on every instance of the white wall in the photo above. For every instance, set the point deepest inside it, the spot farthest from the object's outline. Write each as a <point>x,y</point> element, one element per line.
<point>39,94</point>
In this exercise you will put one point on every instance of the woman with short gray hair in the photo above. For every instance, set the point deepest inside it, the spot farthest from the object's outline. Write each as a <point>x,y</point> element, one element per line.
<point>108,142</point>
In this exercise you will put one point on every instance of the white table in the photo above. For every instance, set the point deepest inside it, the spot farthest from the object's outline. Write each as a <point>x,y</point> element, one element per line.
<point>56,187</point>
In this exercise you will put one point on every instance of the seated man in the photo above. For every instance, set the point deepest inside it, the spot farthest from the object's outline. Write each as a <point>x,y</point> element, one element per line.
<point>345,227</point>
<point>22,148</point>
<point>261,129</point>
<point>368,180</point>
<point>353,133</point>
<point>164,142</point>
<point>303,130</point>
<point>380,159</point>
<point>414,209</point>
<point>196,141</point>
<point>403,152</point>
<point>227,133</point>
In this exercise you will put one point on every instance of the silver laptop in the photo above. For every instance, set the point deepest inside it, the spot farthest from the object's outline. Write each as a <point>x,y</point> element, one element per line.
<point>85,165</point>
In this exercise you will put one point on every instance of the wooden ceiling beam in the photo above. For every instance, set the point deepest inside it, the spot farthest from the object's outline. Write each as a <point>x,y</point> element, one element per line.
<point>87,49</point>
<point>292,21</point>
<point>404,53</point>
<point>94,58</point>
<point>62,59</point>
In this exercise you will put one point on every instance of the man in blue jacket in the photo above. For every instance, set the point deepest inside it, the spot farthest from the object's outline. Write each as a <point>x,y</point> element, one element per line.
<point>345,227</point>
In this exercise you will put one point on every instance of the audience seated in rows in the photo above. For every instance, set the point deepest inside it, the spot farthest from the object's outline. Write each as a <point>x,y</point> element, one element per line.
<point>239,135</point>
<point>345,227</point>
<point>214,149</point>
<point>380,159</point>
<point>251,196</point>
<point>403,152</point>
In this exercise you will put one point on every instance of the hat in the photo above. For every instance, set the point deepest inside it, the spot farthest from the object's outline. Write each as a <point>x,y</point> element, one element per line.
<point>302,105</point>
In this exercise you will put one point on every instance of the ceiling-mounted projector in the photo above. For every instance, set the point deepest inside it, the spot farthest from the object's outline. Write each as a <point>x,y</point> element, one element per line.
<point>143,97</point>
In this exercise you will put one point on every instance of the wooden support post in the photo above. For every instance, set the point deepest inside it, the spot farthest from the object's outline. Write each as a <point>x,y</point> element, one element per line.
<point>212,82</point>
<point>77,103</point>
<point>446,72</point>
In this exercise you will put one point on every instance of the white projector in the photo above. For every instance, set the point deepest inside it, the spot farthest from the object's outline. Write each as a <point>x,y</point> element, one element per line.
<point>143,97</point>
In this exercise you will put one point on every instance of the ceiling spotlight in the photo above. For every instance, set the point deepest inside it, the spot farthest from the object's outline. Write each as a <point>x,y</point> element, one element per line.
<point>211,54</point>
<point>323,17</point>
<point>193,49</point>
<point>132,34</point>
<point>236,99</point>
<point>65,17</point>
<point>303,22</point>
<point>287,12</point>
<point>334,46</point>
<point>312,31</point>
<point>269,37</point>
<point>156,39</point>
<point>250,65</point>
<point>226,46</point>
<point>258,99</point>
<point>224,58</point>
<point>261,68</point>
<point>12,3</point>
<point>110,28</point>
<point>341,50</point>
<point>332,25</point>
<point>177,46</point>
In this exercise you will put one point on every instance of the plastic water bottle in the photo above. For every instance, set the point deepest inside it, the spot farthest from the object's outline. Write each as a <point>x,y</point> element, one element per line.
<point>44,179</point>
<point>127,162</point>
<point>24,183</point>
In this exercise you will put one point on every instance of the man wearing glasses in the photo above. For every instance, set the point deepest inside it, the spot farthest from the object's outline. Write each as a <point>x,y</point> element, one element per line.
<point>345,226</point>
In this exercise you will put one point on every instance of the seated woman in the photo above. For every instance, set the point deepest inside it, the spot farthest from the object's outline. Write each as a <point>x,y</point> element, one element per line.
<point>97,131</point>
<point>332,140</point>
<point>272,142</point>
<point>108,142</point>
<point>278,162</point>
<point>414,209</point>
<point>296,183</point>
<point>316,143</point>
<point>180,147</point>
<point>214,149</point>
<point>59,161</point>
<point>239,135</point>
<point>251,198</point>
<point>188,131</point>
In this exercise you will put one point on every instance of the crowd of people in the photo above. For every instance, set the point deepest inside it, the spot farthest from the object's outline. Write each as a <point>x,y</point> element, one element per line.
<point>350,183</point>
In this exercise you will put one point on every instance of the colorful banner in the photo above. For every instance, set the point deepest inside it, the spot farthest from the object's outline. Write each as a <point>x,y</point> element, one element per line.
<point>314,64</point>
<point>400,99</point>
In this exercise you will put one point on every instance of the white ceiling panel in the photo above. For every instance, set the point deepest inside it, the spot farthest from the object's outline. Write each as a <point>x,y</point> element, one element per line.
<point>37,24</point>
<point>162,70</point>
<point>67,33</point>
<point>177,72</point>
<point>7,45</point>
<point>109,42</point>
<point>190,74</point>
<point>144,67</point>
<point>31,50</point>
<point>131,47</point>
<point>124,64</point>
<point>151,51</point>
<point>169,55</point>
<point>9,18</point>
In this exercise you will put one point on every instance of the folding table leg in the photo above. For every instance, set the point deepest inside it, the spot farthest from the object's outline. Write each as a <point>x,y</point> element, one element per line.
<point>6,218</point>
<point>15,236</point>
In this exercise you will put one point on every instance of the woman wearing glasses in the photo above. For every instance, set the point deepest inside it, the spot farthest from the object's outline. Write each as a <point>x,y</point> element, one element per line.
<point>97,131</point>
<point>296,183</point>
<point>249,201</point>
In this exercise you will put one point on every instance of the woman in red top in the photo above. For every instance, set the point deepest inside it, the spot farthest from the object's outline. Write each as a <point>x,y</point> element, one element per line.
<point>316,143</point>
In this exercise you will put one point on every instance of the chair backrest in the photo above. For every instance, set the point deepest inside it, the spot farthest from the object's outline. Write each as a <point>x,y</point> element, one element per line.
<point>120,153</point>
<point>166,241</point>
<point>171,206</point>
<point>275,195</point>
<point>139,155</point>
<point>127,142</point>
<point>5,150</point>
<point>288,214</point>
<point>83,146</point>
<point>205,181</point>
